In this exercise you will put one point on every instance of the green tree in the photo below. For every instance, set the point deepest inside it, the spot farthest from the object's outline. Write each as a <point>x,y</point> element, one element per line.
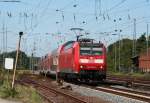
<point>141,44</point>
<point>125,52</point>
<point>23,59</point>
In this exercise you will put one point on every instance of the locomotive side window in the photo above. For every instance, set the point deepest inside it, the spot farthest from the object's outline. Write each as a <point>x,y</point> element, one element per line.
<point>91,51</point>
<point>55,60</point>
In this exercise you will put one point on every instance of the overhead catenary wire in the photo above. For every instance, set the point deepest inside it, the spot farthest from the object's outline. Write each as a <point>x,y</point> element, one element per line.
<point>63,16</point>
<point>116,5</point>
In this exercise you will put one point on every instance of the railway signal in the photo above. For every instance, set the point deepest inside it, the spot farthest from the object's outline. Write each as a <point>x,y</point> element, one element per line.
<point>18,48</point>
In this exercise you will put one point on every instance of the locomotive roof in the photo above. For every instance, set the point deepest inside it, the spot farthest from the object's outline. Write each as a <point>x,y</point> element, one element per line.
<point>85,40</point>
<point>89,42</point>
<point>69,42</point>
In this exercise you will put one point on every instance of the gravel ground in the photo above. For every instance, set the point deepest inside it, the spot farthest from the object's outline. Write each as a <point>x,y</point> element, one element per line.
<point>7,101</point>
<point>105,96</point>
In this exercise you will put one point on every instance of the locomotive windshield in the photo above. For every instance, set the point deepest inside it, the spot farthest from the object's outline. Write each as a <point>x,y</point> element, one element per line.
<point>87,50</point>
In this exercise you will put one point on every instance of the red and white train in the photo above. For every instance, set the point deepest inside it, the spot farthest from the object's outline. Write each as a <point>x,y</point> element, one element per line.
<point>82,60</point>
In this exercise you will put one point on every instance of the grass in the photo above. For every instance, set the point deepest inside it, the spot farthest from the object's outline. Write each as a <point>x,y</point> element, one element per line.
<point>20,93</point>
<point>6,91</point>
<point>28,95</point>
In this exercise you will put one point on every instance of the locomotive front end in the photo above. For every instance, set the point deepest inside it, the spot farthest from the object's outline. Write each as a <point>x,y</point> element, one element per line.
<point>92,61</point>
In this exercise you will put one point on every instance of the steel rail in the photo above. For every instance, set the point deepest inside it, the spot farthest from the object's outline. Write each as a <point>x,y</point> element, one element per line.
<point>37,85</point>
<point>131,81</point>
<point>124,93</point>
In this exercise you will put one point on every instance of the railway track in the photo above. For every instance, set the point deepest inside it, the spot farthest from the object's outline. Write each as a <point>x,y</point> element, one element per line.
<point>133,82</point>
<point>126,92</point>
<point>53,95</point>
<point>50,94</point>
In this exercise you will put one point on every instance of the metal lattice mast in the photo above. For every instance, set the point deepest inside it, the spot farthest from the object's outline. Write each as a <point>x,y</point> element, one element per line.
<point>134,39</point>
<point>147,44</point>
<point>147,41</point>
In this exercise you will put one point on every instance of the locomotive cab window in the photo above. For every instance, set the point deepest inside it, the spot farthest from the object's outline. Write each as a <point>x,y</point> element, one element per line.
<point>68,45</point>
<point>91,50</point>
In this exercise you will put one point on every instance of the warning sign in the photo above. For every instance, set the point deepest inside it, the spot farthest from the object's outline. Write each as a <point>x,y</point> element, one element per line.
<point>9,63</point>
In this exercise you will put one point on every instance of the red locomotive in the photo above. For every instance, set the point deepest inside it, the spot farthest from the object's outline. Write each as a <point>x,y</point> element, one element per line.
<point>82,60</point>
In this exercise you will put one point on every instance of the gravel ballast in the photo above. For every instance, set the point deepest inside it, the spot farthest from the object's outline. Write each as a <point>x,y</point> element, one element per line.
<point>103,95</point>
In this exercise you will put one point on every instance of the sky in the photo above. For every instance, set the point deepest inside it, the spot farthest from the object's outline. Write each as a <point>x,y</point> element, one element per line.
<point>46,24</point>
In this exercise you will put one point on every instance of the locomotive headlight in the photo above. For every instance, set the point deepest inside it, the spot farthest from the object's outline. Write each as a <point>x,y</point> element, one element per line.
<point>99,61</point>
<point>81,66</point>
<point>101,67</point>
<point>83,60</point>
